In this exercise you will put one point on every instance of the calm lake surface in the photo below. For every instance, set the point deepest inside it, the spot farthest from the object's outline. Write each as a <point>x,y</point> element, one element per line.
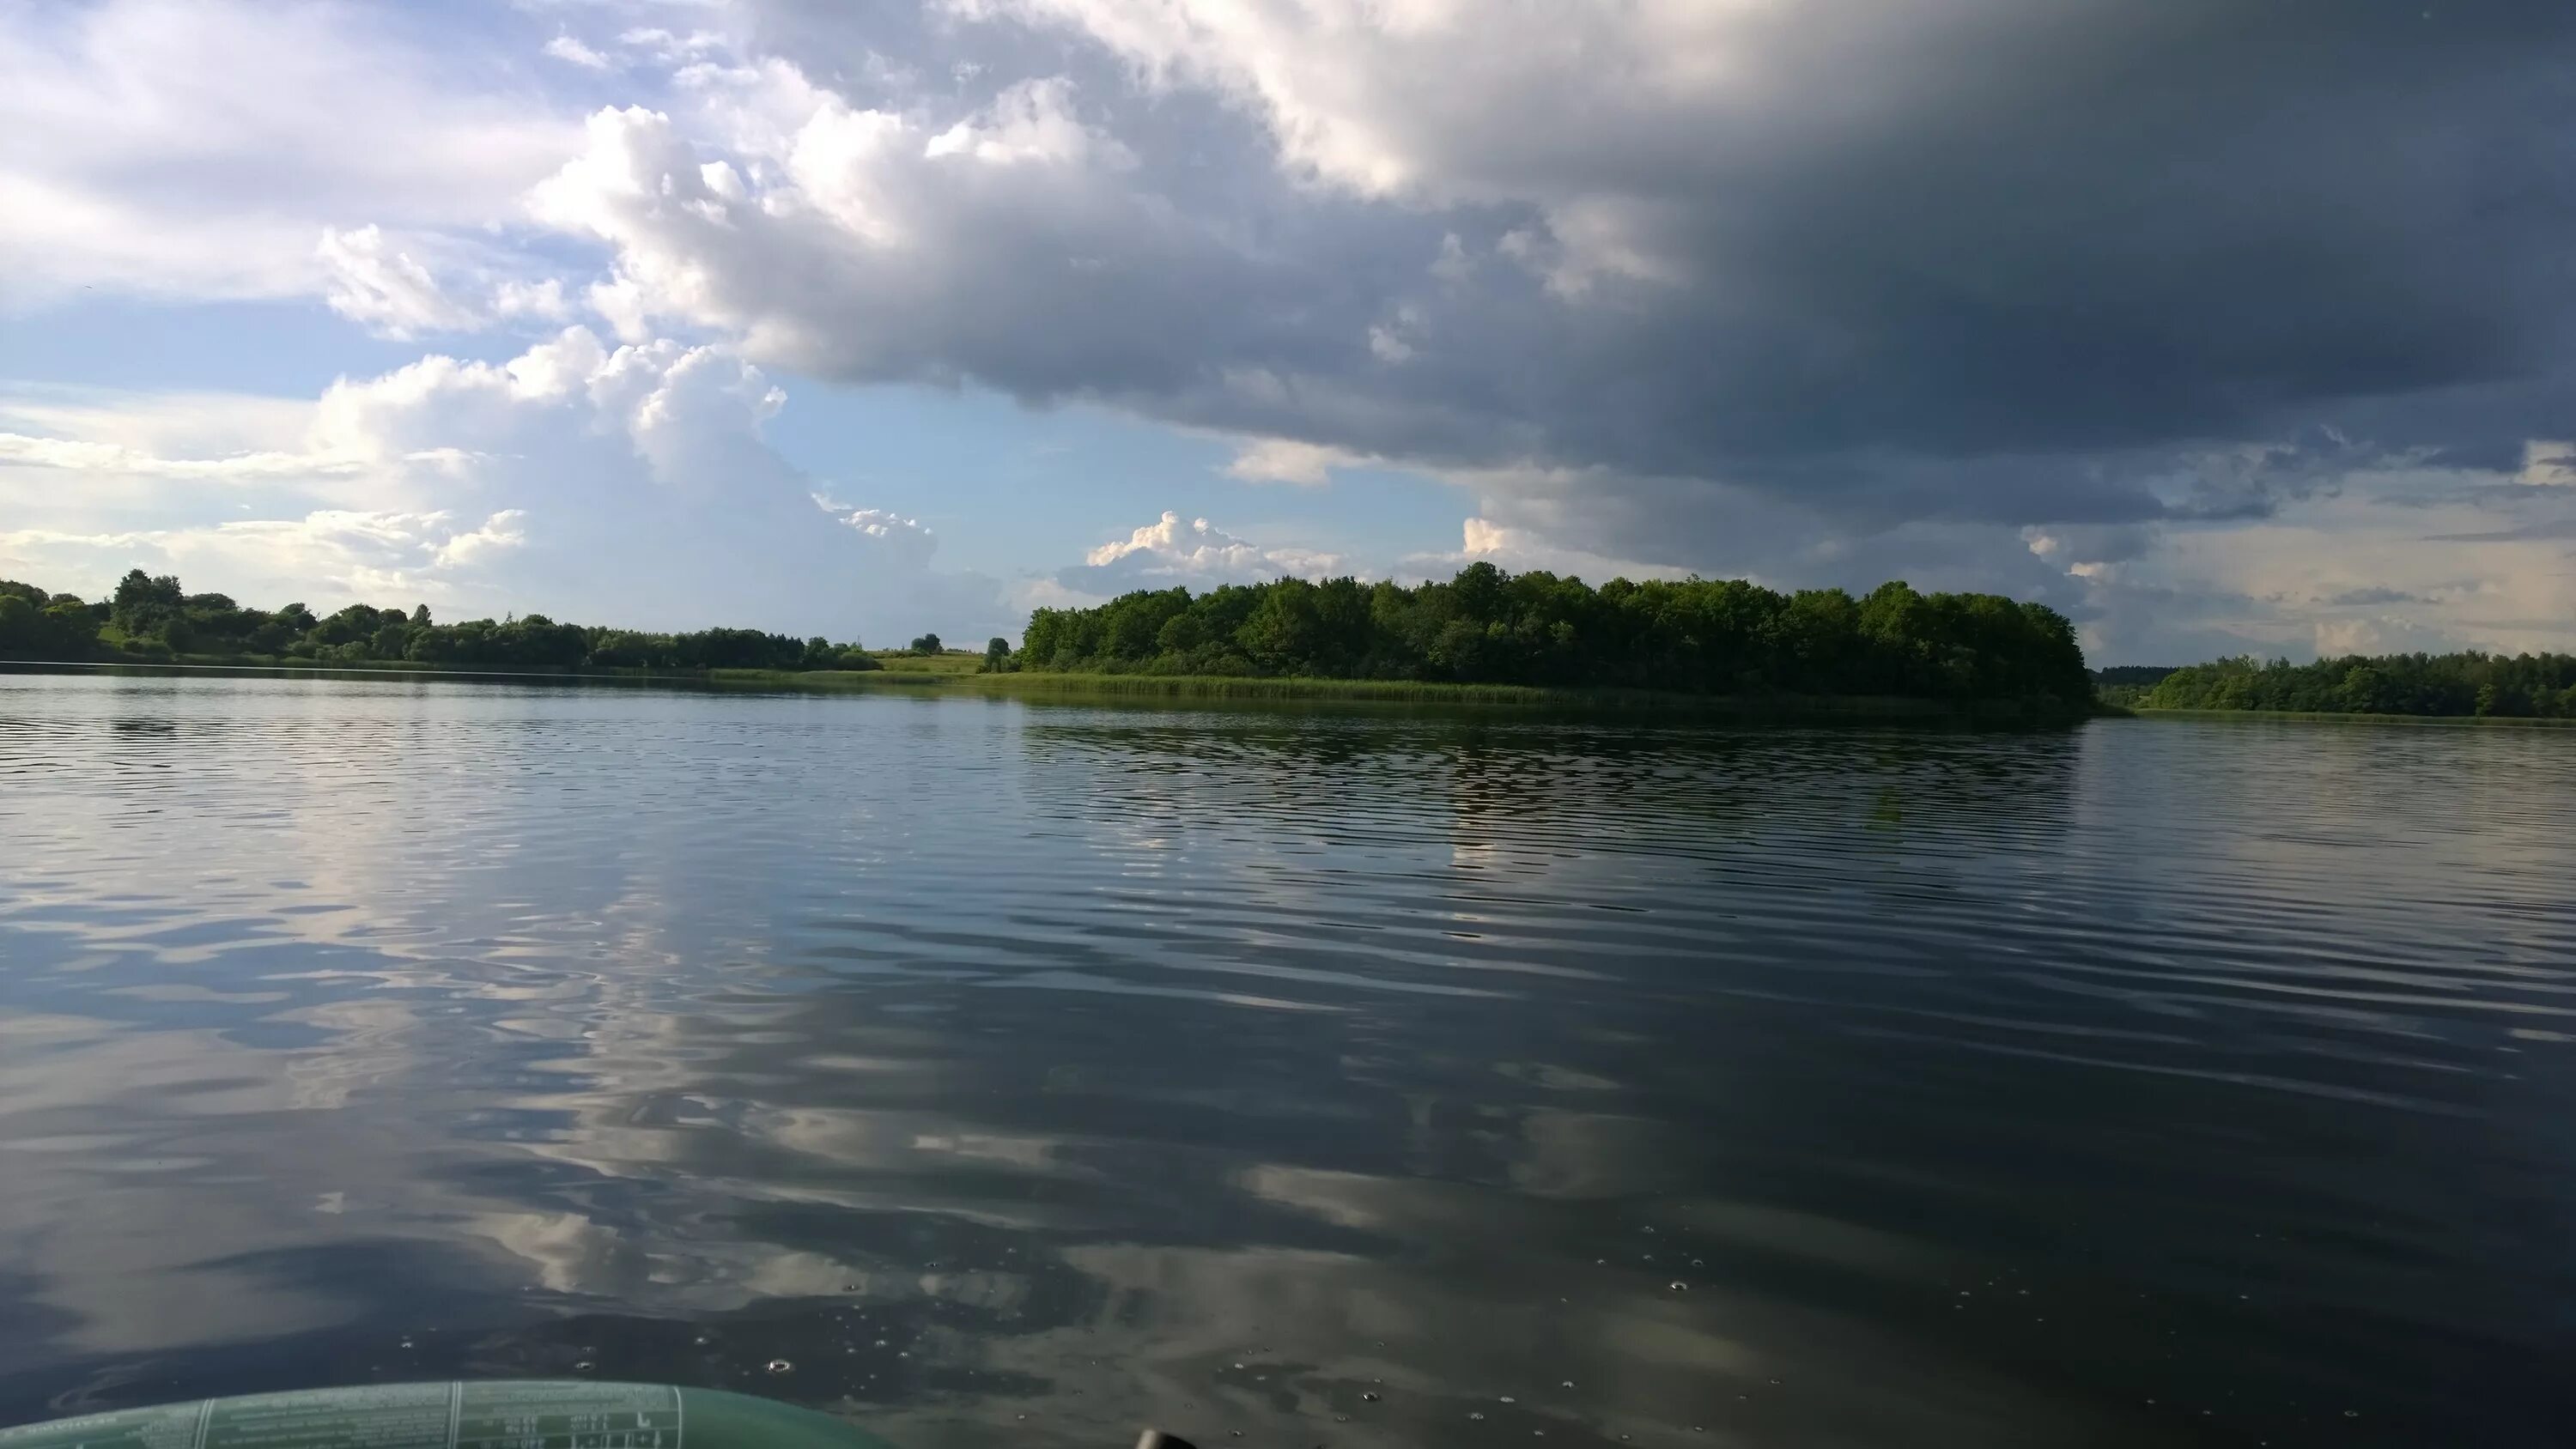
<point>1022,1074</point>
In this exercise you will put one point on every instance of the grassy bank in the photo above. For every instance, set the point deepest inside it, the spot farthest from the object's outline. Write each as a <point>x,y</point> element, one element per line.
<point>1168,686</point>
<point>295,665</point>
<point>954,662</point>
<point>1218,686</point>
<point>915,667</point>
<point>954,674</point>
<point>2316,716</point>
<point>914,679</point>
<point>1113,688</point>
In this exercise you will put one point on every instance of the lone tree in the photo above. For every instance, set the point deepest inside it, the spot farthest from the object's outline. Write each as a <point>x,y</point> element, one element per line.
<point>997,654</point>
<point>926,644</point>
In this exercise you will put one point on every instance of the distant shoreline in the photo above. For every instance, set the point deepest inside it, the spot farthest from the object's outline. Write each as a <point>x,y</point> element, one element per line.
<point>952,673</point>
<point>2322,716</point>
<point>1079,685</point>
<point>905,666</point>
<point>928,676</point>
<point>387,668</point>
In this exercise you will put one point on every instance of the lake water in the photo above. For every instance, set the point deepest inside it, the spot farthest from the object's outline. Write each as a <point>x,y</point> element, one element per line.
<point>1016,1074</point>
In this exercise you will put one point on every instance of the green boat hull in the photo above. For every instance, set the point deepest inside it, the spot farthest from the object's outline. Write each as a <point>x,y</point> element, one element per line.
<point>501,1414</point>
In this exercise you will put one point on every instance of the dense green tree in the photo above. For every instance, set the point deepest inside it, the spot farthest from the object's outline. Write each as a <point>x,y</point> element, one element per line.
<point>152,617</point>
<point>1489,626</point>
<point>38,625</point>
<point>141,599</point>
<point>997,655</point>
<point>2473,683</point>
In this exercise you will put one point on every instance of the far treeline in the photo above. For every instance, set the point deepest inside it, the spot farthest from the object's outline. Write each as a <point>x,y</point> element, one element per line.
<point>153,619</point>
<point>2492,686</point>
<point>1483,627</point>
<point>1490,627</point>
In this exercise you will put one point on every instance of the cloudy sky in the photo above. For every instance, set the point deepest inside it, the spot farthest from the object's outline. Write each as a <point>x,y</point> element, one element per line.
<point>2222,325</point>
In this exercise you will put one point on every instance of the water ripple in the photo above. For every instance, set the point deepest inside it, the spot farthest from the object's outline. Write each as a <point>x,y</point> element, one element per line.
<point>1342,1075</point>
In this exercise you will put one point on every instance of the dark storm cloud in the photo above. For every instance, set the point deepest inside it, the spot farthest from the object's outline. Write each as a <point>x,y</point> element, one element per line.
<point>2122,224</point>
<point>2540,532</point>
<point>2002,231</point>
<point>2499,455</point>
<point>1999,262</point>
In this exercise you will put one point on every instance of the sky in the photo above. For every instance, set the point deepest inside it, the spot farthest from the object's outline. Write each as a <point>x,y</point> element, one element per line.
<point>2223,326</point>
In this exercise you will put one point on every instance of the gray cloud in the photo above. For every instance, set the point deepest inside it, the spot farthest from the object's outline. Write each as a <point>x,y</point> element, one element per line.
<point>2539,532</point>
<point>1722,277</point>
<point>2496,455</point>
<point>1813,292</point>
<point>2174,221</point>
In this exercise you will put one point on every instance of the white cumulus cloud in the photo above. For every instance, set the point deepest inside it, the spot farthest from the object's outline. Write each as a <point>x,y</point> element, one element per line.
<point>76,455</point>
<point>499,532</point>
<point>327,554</point>
<point>195,148</point>
<point>370,282</point>
<point>543,299</point>
<point>572,51</point>
<point>906,537</point>
<point>1173,550</point>
<point>1287,460</point>
<point>612,484</point>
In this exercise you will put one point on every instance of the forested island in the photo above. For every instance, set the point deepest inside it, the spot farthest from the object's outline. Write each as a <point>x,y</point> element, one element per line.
<point>1483,628</point>
<point>2465,685</point>
<point>1486,626</point>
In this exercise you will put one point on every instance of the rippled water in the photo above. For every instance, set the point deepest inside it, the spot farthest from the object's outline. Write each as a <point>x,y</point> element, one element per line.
<point>1022,1074</point>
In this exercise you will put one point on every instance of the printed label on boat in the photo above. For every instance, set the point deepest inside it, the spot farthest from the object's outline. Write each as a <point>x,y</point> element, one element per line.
<point>510,1415</point>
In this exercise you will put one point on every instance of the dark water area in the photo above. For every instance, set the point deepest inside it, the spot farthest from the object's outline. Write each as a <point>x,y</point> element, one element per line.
<point>1020,1074</point>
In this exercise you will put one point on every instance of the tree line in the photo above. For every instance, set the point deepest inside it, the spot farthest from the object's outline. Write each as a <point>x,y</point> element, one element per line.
<point>1492,627</point>
<point>151,617</point>
<point>2125,686</point>
<point>2490,685</point>
<point>1483,626</point>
